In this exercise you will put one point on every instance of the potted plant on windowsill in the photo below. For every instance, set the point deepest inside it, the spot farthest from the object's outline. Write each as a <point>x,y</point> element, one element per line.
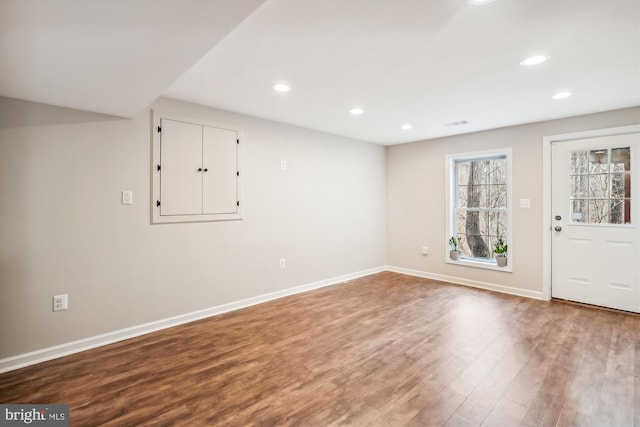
<point>500,249</point>
<point>454,245</point>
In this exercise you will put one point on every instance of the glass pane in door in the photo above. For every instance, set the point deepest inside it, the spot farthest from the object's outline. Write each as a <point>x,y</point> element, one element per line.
<point>600,186</point>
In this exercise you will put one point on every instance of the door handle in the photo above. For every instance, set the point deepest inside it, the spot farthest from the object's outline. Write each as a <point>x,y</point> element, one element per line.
<point>557,228</point>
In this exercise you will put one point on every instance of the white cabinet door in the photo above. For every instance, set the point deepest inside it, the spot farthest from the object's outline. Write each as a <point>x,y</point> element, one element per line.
<point>180,157</point>
<point>196,170</point>
<point>219,179</point>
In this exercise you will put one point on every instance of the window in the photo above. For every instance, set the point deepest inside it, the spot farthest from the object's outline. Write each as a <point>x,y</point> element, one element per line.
<point>479,205</point>
<point>600,186</point>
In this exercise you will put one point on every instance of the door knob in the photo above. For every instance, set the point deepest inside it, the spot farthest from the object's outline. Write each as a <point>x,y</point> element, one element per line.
<point>558,228</point>
<point>558,217</point>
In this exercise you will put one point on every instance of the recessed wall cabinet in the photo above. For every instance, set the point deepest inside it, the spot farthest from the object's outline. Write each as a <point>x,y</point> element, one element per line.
<point>196,170</point>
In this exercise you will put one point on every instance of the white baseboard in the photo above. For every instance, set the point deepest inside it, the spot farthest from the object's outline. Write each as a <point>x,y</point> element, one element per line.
<point>49,353</point>
<point>468,282</point>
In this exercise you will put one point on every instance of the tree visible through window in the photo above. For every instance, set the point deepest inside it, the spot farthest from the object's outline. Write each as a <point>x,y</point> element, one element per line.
<point>480,211</point>
<point>600,186</point>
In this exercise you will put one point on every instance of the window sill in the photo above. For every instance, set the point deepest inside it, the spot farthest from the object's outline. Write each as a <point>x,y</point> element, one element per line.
<point>487,265</point>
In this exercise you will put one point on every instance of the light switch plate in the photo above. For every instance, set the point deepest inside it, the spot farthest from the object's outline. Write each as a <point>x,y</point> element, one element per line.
<point>127,197</point>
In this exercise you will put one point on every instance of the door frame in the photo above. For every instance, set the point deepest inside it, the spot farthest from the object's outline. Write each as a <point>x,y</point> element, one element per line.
<point>547,141</point>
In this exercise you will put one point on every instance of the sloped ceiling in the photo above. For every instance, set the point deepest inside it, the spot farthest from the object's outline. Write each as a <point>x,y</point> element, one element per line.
<point>107,56</point>
<point>428,63</point>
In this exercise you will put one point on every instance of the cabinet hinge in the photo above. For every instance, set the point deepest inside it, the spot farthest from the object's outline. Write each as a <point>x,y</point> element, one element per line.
<point>238,203</point>
<point>159,129</point>
<point>157,203</point>
<point>158,168</point>
<point>237,141</point>
<point>238,173</point>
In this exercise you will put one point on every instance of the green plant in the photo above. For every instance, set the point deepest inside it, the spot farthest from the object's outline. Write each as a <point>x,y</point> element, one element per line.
<point>454,243</point>
<point>500,247</point>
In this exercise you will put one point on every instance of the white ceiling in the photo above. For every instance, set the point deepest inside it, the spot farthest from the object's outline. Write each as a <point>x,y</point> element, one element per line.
<point>426,62</point>
<point>106,56</point>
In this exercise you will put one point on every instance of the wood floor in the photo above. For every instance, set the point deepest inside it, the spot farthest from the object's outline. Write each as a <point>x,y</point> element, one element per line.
<point>384,350</point>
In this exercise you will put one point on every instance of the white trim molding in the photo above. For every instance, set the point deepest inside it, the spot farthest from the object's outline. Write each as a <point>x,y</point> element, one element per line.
<point>468,282</point>
<point>49,353</point>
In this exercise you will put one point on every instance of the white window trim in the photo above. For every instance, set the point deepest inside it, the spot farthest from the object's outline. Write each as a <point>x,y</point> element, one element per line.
<point>450,182</point>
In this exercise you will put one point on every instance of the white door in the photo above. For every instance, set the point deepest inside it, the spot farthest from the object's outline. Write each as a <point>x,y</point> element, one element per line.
<point>595,195</point>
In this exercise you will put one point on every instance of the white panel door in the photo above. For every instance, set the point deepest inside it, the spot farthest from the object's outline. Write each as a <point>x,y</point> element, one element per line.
<point>219,160</point>
<point>595,224</point>
<point>181,174</point>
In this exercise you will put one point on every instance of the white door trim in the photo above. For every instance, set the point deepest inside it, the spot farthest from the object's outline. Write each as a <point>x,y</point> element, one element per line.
<point>546,190</point>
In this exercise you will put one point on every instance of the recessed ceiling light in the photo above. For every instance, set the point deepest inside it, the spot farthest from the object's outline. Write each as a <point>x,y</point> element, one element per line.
<point>562,95</point>
<point>356,111</point>
<point>479,2</point>
<point>406,126</point>
<point>281,87</point>
<point>533,60</point>
<point>458,123</point>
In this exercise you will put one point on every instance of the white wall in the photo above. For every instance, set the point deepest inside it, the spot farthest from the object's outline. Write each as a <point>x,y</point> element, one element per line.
<point>63,229</point>
<point>416,198</point>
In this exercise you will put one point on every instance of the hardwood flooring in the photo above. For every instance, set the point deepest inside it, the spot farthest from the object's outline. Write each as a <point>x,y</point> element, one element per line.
<point>384,350</point>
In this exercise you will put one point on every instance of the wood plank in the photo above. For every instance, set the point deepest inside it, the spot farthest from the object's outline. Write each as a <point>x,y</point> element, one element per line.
<point>616,405</point>
<point>505,413</point>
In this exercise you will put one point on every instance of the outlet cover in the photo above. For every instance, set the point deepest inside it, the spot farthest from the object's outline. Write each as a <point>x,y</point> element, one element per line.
<point>60,302</point>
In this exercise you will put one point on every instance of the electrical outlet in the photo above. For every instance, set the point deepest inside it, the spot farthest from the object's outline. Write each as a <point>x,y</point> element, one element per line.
<point>60,302</point>
<point>425,250</point>
<point>283,262</point>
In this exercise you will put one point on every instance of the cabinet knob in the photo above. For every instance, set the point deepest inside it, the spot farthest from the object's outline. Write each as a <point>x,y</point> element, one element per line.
<point>205,170</point>
<point>199,169</point>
